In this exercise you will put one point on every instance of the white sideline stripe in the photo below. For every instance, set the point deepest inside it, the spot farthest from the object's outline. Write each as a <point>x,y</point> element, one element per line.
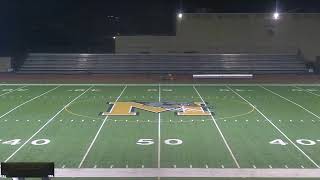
<point>159,131</point>
<point>12,91</point>
<point>49,121</point>
<point>218,76</point>
<point>98,132</point>
<point>313,162</point>
<point>305,90</point>
<point>292,102</point>
<point>217,126</point>
<point>187,172</point>
<point>27,102</point>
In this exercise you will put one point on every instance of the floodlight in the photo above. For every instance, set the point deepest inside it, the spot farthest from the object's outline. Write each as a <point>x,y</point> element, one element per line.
<point>276,16</point>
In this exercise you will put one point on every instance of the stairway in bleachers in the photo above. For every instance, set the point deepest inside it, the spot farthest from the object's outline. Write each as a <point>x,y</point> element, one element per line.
<point>163,63</point>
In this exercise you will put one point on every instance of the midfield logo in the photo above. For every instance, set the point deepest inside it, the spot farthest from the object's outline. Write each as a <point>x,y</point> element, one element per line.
<point>181,109</point>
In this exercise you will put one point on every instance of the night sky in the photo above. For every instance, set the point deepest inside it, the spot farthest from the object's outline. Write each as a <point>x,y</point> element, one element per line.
<point>89,25</point>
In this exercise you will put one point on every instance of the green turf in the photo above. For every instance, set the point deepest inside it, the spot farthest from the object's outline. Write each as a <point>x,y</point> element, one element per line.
<point>293,110</point>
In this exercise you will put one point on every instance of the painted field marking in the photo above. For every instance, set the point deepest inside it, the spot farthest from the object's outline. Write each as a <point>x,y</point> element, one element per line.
<point>292,102</point>
<point>219,130</point>
<point>27,102</point>
<point>279,130</point>
<point>42,127</point>
<point>305,90</point>
<point>159,131</point>
<point>12,91</point>
<point>98,132</point>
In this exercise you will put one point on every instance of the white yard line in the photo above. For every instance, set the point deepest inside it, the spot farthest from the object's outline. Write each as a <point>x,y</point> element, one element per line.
<point>98,132</point>
<point>159,131</point>
<point>220,132</point>
<point>305,90</point>
<point>27,102</point>
<point>12,91</point>
<point>279,130</point>
<point>42,127</point>
<point>187,172</point>
<point>292,102</point>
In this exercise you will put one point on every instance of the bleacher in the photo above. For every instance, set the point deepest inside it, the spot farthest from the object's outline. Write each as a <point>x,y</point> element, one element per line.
<point>163,63</point>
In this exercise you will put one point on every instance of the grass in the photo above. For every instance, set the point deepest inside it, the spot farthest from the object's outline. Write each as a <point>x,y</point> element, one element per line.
<point>249,117</point>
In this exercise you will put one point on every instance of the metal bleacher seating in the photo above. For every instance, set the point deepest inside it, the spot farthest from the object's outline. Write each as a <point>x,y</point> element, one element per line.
<point>163,63</point>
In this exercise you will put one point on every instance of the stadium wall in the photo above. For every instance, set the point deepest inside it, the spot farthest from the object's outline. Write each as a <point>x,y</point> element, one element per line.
<point>233,33</point>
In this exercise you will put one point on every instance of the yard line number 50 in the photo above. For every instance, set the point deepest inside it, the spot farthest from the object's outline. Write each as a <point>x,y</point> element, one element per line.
<point>147,142</point>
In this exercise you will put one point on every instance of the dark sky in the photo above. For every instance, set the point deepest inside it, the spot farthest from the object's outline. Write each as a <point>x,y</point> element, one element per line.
<point>89,25</point>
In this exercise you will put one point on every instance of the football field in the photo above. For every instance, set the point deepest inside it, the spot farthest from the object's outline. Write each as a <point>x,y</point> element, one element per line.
<point>163,129</point>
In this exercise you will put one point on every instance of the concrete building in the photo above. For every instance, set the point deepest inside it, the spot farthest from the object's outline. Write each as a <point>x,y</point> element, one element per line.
<point>233,33</point>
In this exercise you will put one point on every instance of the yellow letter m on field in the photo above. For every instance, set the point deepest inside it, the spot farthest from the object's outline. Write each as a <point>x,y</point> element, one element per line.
<point>126,109</point>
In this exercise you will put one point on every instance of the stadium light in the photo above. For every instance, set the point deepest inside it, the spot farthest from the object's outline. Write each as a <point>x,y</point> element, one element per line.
<point>114,37</point>
<point>180,15</point>
<point>276,16</point>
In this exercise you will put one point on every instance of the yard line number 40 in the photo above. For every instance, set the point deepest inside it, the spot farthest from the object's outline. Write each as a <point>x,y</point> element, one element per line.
<point>305,142</point>
<point>147,142</point>
<point>36,142</point>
